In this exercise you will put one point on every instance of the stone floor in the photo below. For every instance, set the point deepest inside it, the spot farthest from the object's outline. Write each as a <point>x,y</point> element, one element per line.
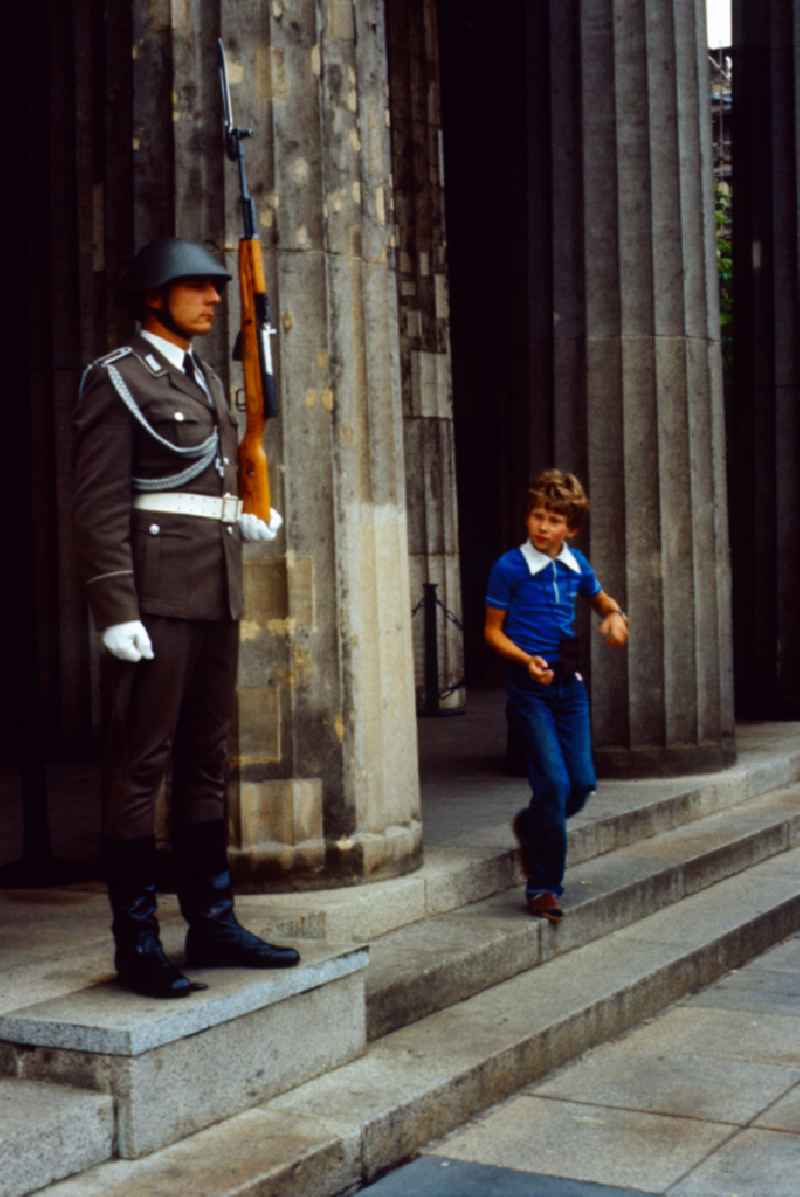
<point>702,1101</point>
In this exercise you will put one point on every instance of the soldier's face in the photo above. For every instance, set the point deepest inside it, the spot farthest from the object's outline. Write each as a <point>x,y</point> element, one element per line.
<point>193,304</point>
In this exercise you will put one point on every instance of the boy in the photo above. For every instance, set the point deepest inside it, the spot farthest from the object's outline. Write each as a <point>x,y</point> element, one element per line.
<point>530,616</point>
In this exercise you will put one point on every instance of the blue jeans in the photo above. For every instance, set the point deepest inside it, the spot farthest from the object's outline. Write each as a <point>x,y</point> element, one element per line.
<point>553,722</point>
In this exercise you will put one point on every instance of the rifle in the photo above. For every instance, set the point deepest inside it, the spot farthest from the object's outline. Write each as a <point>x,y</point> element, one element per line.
<point>252,346</point>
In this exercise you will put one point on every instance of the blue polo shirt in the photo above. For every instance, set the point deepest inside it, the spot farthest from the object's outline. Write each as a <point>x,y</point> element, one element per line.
<point>539,594</point>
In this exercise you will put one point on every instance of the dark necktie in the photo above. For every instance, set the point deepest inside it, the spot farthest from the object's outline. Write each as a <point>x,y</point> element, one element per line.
<point>193,372</point>
<point>189,367</point>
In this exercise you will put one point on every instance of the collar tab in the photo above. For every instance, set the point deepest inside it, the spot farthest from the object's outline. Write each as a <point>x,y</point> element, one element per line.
<point>537,561</point>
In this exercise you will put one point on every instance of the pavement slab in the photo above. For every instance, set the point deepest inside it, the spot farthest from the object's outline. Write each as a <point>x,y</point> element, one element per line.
<point>640,1075</point>
<point>751,1036</point>
<point>784,1115</point>
<point>626,1148</point>
<point>754,989</point>
<point>755,1163</point>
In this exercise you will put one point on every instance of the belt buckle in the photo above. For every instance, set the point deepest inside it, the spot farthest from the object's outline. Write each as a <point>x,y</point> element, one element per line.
<point>230,509</point>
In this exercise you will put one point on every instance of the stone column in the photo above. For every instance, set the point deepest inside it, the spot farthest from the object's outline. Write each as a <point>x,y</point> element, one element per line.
<point>637,377</point>
<point>326,789</point>
<point>424,316</point>
<point>765,400</point>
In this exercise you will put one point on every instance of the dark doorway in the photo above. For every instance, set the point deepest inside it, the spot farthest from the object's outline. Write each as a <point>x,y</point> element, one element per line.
<point>495,109</point>
<point>76,217</point>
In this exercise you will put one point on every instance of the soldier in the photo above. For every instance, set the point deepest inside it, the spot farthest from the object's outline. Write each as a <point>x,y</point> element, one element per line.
<point>159,533</point>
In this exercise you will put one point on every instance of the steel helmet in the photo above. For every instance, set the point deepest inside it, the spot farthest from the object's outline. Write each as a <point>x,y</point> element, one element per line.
<point>169,259</point>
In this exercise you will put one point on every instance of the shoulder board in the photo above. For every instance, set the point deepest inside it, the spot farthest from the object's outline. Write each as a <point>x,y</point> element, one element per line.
<point>149,360</point>
<point>109,358</point>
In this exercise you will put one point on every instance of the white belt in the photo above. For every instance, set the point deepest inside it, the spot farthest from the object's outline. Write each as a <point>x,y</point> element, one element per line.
<point>228,508</point>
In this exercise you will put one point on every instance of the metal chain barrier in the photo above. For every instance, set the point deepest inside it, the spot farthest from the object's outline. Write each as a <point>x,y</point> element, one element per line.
<point>433,695</point>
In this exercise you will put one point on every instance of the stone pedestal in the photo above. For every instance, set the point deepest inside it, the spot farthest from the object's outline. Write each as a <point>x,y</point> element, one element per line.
<point>174,1068</point>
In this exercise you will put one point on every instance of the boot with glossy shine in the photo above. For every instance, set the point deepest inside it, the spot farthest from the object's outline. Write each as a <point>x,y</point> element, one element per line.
<point>139,958</point>
<point>205,892</point>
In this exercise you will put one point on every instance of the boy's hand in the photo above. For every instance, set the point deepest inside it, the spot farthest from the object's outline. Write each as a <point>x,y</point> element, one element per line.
<point>615,629</point>
<point>540,671</point>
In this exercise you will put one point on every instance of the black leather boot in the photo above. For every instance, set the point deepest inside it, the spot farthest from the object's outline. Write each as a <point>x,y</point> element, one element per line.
<point>139,958</point>
<point>205,893</point>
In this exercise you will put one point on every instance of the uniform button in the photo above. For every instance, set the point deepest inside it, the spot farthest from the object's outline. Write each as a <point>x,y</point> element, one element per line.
<point>226,460</point>
<point>179,415</point>
<point>230,530</point>
<point>154,529</point>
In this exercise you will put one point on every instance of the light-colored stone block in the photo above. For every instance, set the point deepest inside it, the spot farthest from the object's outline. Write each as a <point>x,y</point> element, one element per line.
<point>174,1071</point>
<point>111,1021</point>
<point>48,1132</point>
<point>286,810</point>
<point>265,591</point>
<point>258,726</point>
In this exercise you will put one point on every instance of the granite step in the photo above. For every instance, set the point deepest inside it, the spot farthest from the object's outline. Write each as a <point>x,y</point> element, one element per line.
<point>644,850</point>
<point>48,1132</point>
<point>430,965</point>
<point>175,1067</point>
<point>332,1135</point>
<point>474,858</point>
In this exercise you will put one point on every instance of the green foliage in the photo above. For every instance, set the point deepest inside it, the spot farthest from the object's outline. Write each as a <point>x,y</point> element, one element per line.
<point>723,217</point>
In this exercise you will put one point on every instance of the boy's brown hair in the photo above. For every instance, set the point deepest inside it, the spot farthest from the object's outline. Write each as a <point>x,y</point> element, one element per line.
<point>559,492</point>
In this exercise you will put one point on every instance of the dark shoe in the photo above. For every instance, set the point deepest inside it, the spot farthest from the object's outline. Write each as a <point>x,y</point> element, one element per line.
<point>139,958</point>
<point>205,893</point>
<point>545,906</point>
<point>519,825</point>
<point>225,941</point>
<point>145,968</point>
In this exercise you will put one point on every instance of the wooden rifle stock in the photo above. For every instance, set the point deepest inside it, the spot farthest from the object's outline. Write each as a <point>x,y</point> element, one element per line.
<point>253,466</point>
<point>253,344</point>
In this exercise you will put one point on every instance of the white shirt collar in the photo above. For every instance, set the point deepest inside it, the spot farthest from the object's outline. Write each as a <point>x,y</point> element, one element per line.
<point>537,561</point>
<point>168,349</point>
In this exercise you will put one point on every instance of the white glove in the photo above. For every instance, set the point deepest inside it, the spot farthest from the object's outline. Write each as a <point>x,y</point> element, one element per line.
<point>253,528</point>
<point>128,641</point>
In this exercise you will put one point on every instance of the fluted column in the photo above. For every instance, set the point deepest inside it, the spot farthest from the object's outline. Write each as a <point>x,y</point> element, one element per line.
<point>637,379</point>
<point>325,789</point>
<point>765,399</point>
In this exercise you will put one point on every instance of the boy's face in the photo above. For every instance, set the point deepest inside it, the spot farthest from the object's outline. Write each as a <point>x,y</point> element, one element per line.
<point>547,530</point>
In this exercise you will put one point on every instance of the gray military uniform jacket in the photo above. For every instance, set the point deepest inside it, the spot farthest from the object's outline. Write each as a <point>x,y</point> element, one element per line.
<point>136,562</point>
